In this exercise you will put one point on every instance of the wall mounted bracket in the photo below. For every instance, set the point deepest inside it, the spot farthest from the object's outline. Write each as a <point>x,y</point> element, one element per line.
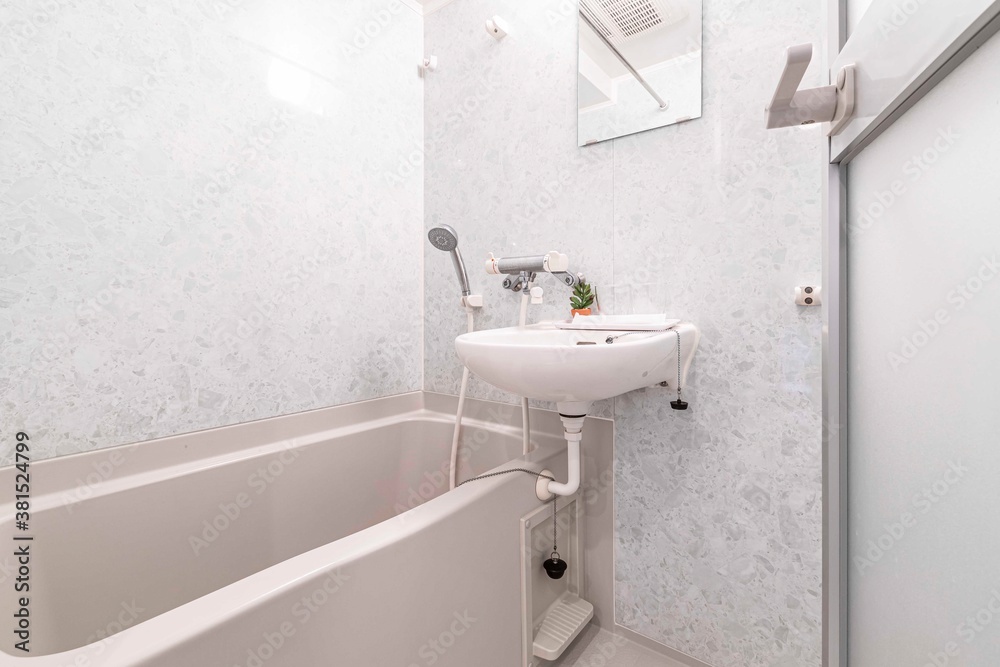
<point>497,28</point>
<point>832,104</point>
<point>428,64</point>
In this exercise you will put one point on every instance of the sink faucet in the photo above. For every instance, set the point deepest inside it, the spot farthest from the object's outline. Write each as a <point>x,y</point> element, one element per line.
<point>522,271</point>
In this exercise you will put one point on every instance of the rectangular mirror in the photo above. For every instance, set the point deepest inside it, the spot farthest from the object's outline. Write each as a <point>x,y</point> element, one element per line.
<point>640,66</point>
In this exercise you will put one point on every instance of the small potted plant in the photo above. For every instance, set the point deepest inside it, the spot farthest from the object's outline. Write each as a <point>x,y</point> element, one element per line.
<point>582,299</point>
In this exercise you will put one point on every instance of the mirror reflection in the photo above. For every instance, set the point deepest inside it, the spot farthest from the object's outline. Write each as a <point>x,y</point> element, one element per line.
<point>640,66</point>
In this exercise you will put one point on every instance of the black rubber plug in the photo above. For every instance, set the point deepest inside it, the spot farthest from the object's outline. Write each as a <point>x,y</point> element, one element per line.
<point>555,566</point>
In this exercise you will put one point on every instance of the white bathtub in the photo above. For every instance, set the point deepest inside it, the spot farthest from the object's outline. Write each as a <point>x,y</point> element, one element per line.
<point>287,542</point>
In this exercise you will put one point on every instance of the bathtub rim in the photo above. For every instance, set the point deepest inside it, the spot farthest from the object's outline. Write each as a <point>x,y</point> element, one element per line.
<point>182,454</point>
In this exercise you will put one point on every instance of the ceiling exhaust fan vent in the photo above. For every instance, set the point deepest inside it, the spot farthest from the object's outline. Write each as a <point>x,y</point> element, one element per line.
<point>623,20</point>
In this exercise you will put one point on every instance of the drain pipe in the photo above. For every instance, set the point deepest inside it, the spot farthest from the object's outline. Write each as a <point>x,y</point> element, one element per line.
<point>573,432</point>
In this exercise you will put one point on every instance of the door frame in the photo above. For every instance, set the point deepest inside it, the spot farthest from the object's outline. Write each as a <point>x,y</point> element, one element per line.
<point>983,24</point>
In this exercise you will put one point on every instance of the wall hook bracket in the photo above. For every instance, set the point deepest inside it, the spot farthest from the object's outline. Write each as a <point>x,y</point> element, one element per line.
<point>497,28</point>
<point>428,64</point>
<point>834,104</point>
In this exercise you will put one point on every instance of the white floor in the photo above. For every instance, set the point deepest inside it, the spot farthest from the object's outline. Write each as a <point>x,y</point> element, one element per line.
<point>599,648</point>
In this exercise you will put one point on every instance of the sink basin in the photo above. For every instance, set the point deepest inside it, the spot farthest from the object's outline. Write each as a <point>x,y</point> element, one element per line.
<point>575,368</point>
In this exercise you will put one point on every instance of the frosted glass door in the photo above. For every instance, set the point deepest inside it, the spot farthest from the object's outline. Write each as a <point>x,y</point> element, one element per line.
<point>924,380</point>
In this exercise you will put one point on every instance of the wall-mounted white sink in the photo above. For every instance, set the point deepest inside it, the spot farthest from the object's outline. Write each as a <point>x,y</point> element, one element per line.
<point>574,368</point>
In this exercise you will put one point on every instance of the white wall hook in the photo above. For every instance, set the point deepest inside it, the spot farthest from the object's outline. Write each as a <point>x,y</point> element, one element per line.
<point>428,64</point>
<point>497,28</point>
<point>828,104</point>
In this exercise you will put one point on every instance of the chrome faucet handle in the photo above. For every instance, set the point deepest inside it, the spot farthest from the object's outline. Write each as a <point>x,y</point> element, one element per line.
<point>569,279</point>
<point>519,283</point>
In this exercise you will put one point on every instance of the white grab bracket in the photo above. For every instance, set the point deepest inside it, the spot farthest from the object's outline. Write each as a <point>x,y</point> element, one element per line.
<point>828,104</point>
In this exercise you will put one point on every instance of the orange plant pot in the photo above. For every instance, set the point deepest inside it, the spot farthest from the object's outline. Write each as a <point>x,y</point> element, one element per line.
<point>581,311</point>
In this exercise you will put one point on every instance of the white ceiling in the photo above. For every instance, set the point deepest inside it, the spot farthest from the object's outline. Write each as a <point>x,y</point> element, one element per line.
<point>426,7</point>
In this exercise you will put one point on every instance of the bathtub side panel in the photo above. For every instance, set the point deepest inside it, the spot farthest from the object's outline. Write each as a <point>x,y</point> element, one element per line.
<point>447,595</point>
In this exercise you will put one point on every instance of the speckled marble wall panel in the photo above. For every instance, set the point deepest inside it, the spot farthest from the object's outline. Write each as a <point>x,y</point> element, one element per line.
<point>714,220</point>
<point>201,220</point>
<point>719,510</point>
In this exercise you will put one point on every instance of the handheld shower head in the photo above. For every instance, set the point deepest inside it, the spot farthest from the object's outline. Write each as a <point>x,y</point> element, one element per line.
<point>445,238</point>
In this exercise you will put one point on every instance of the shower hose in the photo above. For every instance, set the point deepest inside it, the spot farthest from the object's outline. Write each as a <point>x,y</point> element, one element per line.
<point>525,420</point>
